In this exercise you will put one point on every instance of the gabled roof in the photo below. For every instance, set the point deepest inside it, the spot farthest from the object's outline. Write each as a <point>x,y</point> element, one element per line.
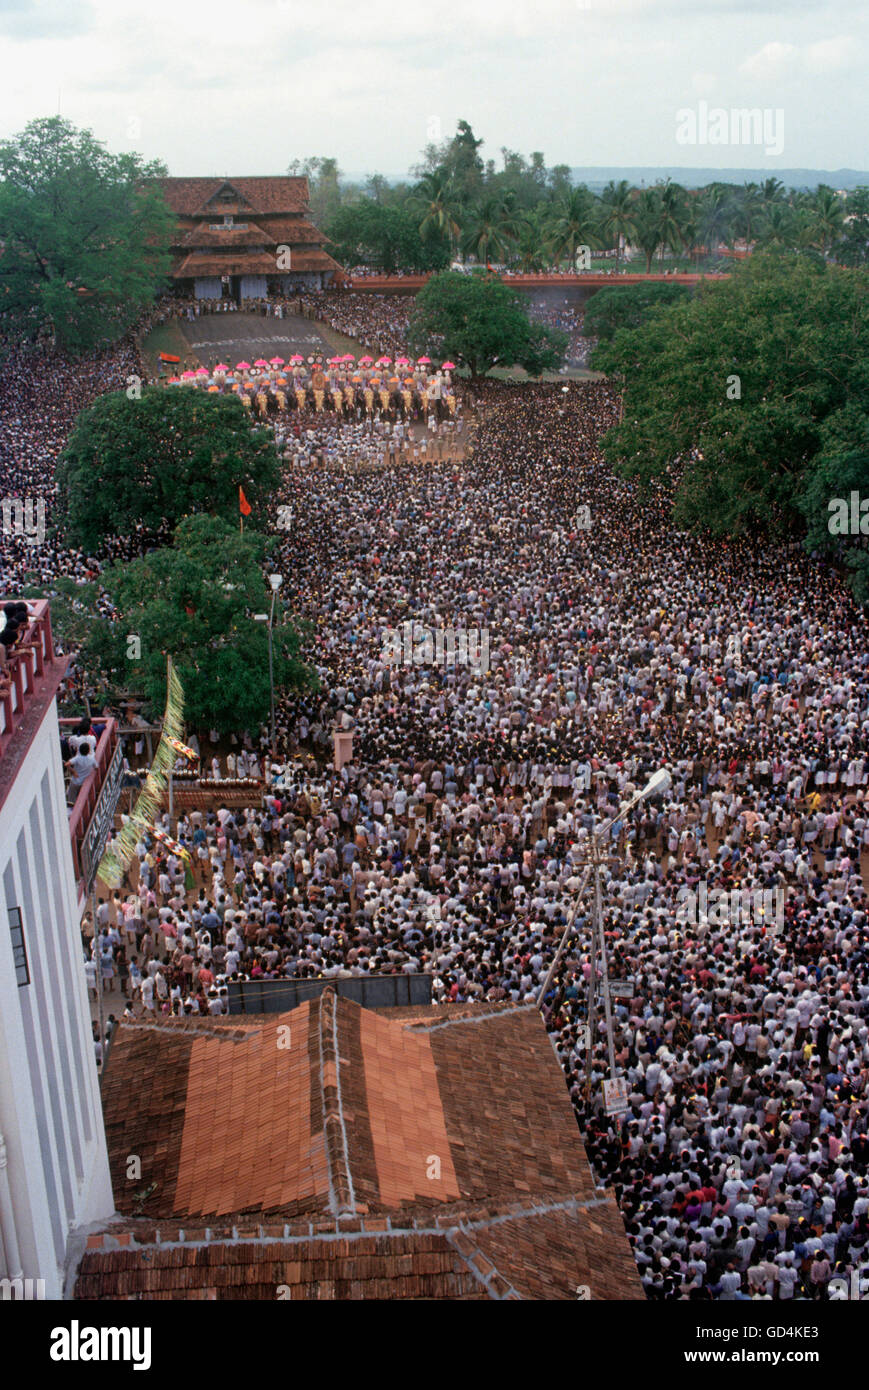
<point>204,235</point>
<point>449,1132</point>
<point>192,197</point>
<point>240,262</point>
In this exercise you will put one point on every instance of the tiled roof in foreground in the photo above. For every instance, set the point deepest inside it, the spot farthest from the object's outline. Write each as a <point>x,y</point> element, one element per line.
<point>347,1153</point>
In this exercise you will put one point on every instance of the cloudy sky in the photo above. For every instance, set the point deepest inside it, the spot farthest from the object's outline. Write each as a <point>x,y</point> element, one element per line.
<point>244,86</point>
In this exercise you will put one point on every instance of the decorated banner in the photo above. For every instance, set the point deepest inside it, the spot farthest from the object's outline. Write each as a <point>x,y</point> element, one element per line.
<point>172,845</point>
<point>184,750</point>
<point>117,860</point>
<point>301,398</point>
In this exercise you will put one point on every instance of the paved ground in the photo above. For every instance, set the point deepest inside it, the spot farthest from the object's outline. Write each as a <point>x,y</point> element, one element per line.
<point>237,337</point>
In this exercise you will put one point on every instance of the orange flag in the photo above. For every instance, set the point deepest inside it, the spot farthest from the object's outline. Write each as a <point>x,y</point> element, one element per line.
<point>243,504</point>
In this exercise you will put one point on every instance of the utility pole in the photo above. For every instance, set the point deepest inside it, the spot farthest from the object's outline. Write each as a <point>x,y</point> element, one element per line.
<point>595,855</point>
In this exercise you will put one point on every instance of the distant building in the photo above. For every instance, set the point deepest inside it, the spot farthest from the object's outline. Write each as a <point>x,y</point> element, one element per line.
<point>54,1171</point>
<point>339,1152</point>
<point>245,238</point>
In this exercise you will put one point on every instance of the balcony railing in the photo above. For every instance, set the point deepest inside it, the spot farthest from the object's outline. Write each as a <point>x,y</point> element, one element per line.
<point>26,664</point>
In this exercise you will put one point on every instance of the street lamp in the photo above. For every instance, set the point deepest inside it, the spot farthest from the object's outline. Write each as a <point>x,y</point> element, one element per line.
<point>657,782</point>
<point>275,582</point>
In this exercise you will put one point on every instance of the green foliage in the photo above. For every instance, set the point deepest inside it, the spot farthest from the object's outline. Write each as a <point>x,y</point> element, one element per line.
<point>85,240</point>
<point>839,471</point>
<point>195,602</point>
<point>612,308</point>
<point>153,460</point>
<point>384,237</point>
<point>854,246</point>
<point>477,320</point>
<point>795,332</point>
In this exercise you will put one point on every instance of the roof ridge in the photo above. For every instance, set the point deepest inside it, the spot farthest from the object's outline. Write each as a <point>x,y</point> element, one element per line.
<point>341,1194</point>
<point>481,1014</point>
<point>476,1263</point>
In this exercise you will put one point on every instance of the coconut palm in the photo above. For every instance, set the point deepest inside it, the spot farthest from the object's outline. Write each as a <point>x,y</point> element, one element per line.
<point>572,223</point>
<point>647,217</point>
<point>671,216</point>
<point>749,203</point>
<point>827,217</point>
<point>434,197</point>
<point>716,217</point>
<point>617,213</point>
<point>493,226</point>
<point>780,225</point>
<point>532,239</point>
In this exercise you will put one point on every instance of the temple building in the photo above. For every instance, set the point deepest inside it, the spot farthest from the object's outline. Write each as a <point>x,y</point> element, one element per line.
<point>245,238</point>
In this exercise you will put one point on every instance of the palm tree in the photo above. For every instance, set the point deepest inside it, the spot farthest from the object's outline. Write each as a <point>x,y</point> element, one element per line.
<point>716,216</point>
<point>779,226</point>
<point>572,223</point>
<point>772,190</point>
<point>827,216</point>
<point>435,199</point>
<point>494,224</point>
<point>750,206</point>
<point>616,213</point>
<point>671,214</point>
<point>532,238</point>
<point>647,217</point>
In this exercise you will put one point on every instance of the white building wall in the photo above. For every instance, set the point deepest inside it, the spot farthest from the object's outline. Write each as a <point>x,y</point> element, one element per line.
<point>50,1112</point>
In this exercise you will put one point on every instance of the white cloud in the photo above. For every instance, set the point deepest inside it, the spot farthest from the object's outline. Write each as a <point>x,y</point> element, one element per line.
<point>773,60</point>
<point>828,55</point>
<point>703,83</point>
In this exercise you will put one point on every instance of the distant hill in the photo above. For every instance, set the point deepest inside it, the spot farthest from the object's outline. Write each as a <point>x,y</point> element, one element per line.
<point>597,177</point>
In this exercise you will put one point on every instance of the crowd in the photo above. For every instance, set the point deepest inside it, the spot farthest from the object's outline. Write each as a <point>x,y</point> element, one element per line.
<point>569,319</point>
<point>343,445</point>
<point>377,321</point>
<point>453,840</point>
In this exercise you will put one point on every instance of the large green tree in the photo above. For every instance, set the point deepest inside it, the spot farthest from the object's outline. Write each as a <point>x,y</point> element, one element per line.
<point>195,601</point>
<point>740,391</point>
<point>368,232</point>
<point>85,236</point>
<point>148,461</point>
<point>478,320</point>
<point>628,306</point>
<point>835,524</point>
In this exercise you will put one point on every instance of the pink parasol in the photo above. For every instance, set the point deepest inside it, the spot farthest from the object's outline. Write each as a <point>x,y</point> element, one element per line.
<point>383,361</point>
<point>423,361</point>
<point>260,362</point>
<point>366,359</point>
<point>223,367</point>
<point>448,366</point>
<point>242,366</point>
<point>276,361</point>
<point>202,371</point>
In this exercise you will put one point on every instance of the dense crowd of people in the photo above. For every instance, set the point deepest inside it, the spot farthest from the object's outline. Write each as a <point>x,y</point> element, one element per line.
<point>569,319</point>
<point>378,321</point>
<point>454,840</point>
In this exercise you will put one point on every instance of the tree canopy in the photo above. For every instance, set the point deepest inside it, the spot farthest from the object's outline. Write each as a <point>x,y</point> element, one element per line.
<point>195,602</point>
<point>387,238</point>
<point>745,393</point>
<point>85,239</point>
<point>477,320</point>
<point>627,307</point>
<point>144,463</point>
